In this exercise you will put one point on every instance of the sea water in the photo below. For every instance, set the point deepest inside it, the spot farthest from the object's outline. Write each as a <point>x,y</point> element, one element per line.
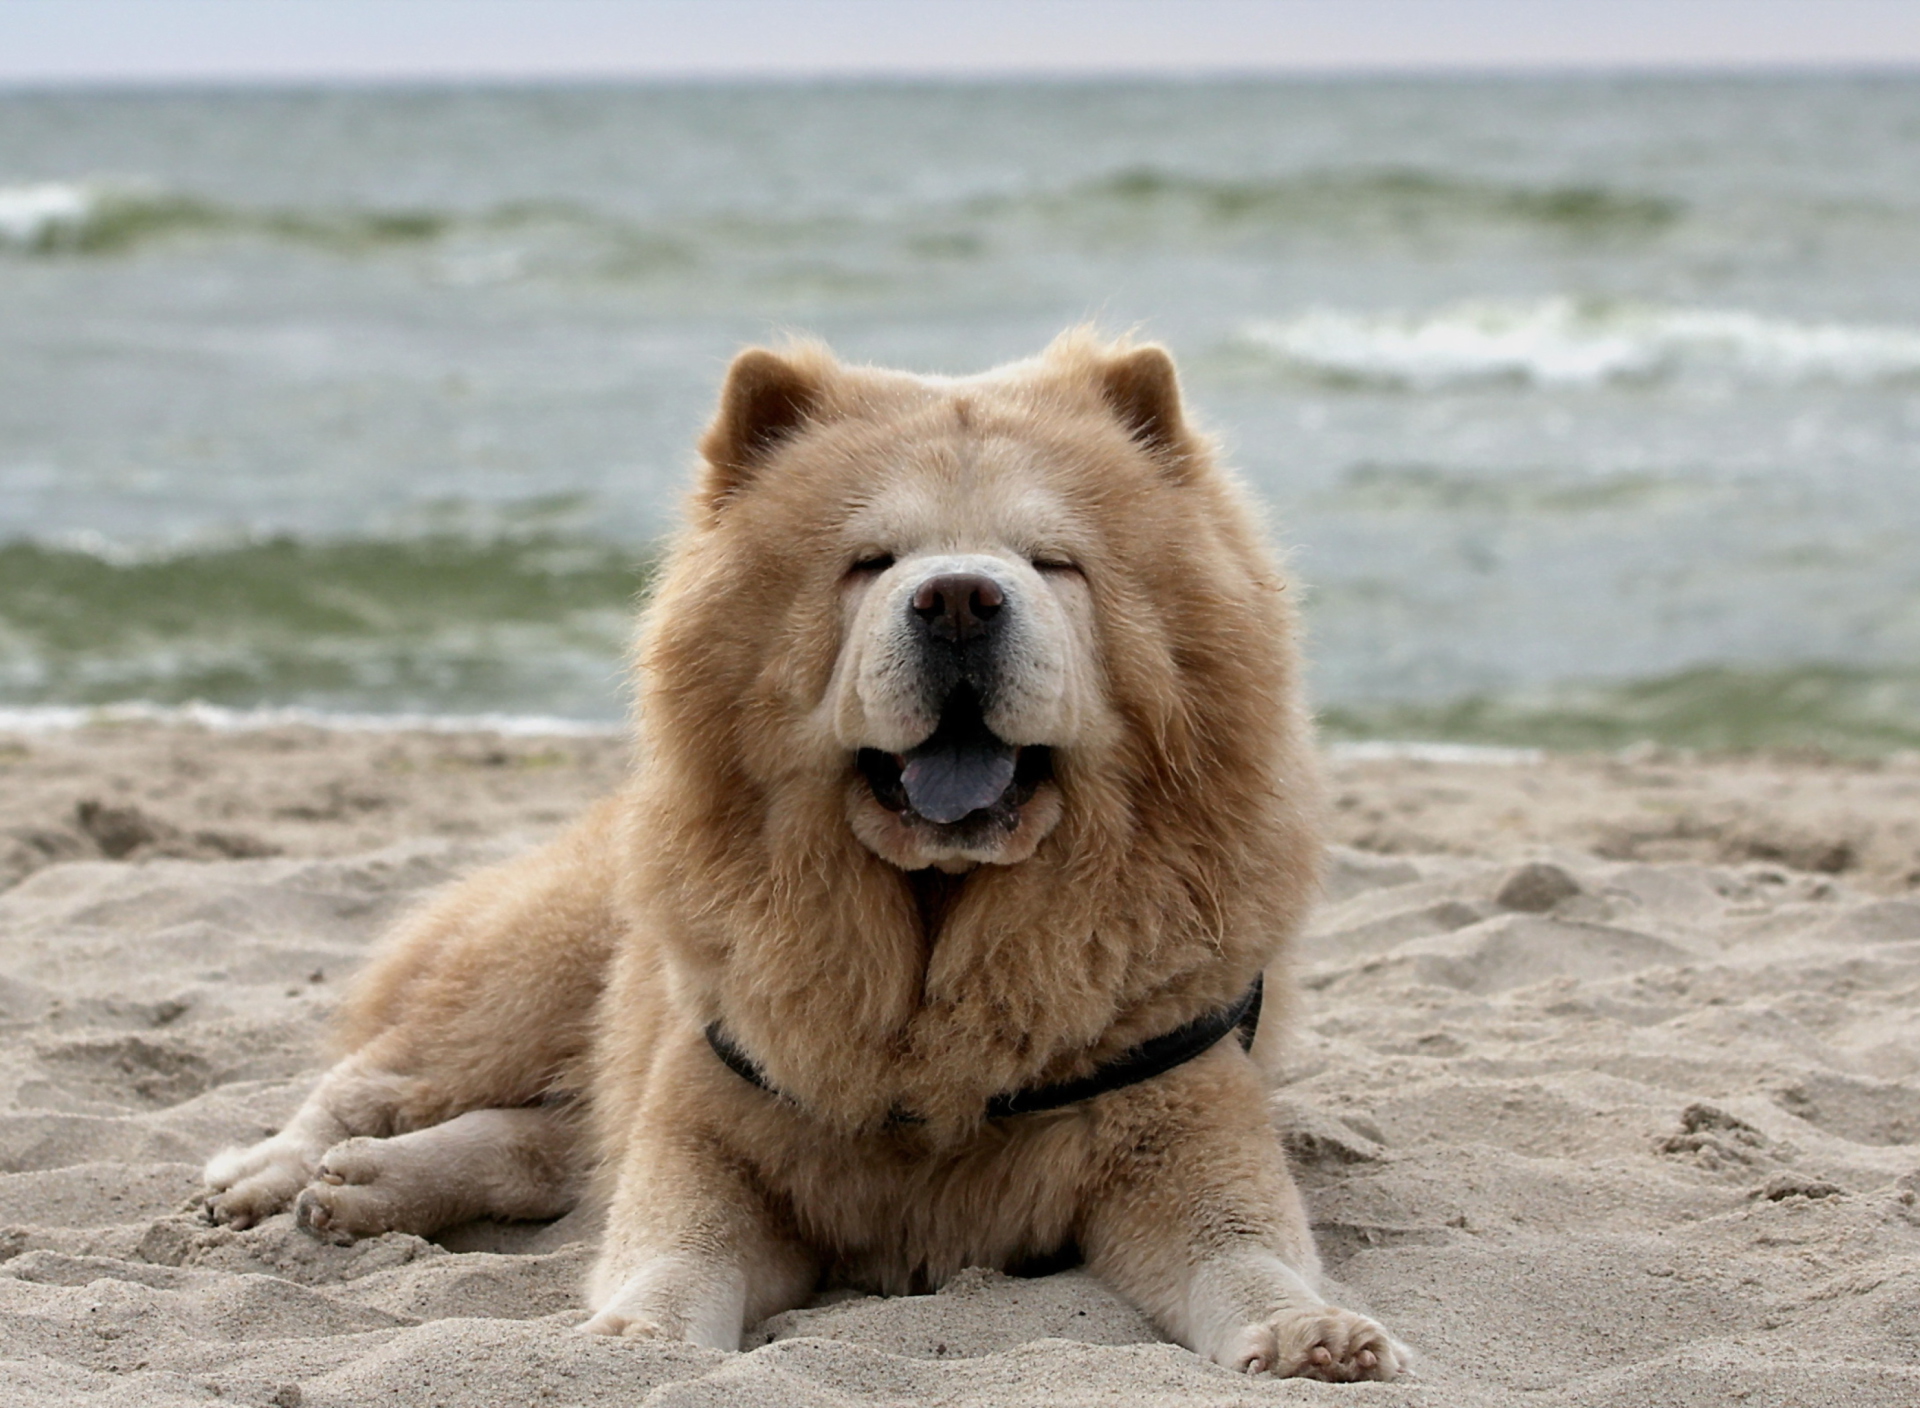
<point>1588,409</point>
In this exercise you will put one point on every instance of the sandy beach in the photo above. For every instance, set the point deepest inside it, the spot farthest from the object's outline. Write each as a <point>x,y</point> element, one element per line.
<point>1605,1090</point>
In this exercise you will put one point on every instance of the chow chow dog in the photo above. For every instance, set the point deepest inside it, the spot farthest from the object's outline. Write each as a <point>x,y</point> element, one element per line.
<point>972,799</point>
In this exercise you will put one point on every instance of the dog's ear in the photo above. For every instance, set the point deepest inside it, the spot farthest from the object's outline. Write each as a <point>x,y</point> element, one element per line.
<point>767,398</point>
<point>1143,389</point>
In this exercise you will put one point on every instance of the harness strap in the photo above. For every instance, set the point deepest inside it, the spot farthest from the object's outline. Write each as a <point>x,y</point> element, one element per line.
<point>1153,1057</point>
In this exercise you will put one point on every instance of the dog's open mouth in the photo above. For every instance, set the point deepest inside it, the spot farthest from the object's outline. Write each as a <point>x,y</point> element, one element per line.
<point>962,776</point>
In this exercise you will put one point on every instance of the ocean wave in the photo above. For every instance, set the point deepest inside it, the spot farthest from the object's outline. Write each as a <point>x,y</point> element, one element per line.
<point>1567,342</point>
<point>1403,200</point>
<point>64,718</point>
<point>33,217</point>
<point>1843,709</point>
<point>440,623</point>
<point>529,634</point>
<point>79,218</point>
<point>113,216</point>
<point>1426,489</point>
<point>105,217</point>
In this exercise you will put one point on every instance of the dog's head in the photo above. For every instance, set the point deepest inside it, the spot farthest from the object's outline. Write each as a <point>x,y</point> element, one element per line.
<point>963,606</point>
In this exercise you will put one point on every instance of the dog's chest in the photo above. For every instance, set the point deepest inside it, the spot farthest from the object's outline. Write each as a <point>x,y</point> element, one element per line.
<point>894,1218</point>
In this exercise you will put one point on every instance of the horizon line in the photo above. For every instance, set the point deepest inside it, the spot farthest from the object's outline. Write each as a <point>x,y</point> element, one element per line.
<point>1549,69</point>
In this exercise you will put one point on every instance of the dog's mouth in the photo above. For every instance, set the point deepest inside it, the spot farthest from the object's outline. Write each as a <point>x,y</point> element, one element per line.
<point>963,777</point>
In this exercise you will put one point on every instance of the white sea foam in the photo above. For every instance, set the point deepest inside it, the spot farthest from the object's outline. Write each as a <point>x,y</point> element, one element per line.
<point>1382,750</point>
<point>63,718</point>
<point>30,215</point>
<point>1566,342</point>
<point>59,718</point>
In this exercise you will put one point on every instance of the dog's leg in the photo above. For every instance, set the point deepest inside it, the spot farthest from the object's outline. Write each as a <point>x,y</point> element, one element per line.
<point>356,1097</point>
<point>692,1250</point>
<point>479,1002</point>
<point>517,1165</point>
<point>1208,1235</point>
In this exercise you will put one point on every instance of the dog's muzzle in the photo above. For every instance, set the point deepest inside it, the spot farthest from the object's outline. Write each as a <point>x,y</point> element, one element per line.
<point>963,774</point>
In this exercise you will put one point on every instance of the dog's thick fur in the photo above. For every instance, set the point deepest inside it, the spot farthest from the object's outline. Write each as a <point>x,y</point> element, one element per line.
<point>888,970</point>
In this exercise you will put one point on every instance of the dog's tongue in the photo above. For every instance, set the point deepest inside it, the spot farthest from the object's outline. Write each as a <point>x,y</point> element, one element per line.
<point>947,777</point>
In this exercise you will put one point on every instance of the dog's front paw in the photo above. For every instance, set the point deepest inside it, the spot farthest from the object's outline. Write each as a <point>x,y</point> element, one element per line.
<point>364,1187</point>
<point>678,1296</point>
<point>615,1321</point>
<point>1322,1342</point>
<point>246,1186</point>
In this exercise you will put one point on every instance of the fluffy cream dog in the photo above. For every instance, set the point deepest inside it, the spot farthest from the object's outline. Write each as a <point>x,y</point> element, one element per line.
<point>972,798</point>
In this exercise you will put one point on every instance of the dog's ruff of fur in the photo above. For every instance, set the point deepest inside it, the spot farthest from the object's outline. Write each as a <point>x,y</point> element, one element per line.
<point>1049,554</point>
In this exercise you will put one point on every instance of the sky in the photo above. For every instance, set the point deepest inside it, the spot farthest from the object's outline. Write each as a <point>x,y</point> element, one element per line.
<point>55,42</point>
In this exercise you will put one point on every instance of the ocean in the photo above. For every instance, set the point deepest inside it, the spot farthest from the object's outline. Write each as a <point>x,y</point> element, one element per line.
<point>1588,409</point>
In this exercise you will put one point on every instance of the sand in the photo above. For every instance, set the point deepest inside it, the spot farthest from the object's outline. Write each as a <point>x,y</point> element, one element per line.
<point>1605,1090</point>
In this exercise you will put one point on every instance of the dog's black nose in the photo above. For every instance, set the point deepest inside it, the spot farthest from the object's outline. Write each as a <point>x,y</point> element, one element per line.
<point>958,606</point>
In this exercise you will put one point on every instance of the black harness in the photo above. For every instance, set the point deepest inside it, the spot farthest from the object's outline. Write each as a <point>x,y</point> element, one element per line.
<point>1153,1057</point>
